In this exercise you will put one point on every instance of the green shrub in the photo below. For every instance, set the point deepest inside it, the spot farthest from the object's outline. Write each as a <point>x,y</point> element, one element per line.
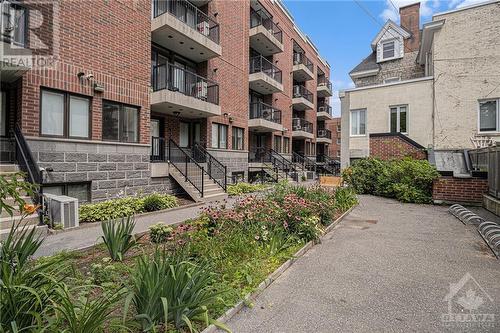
<point>102,272</point>
<point>242,188</point>
<point>345,198</point>
<point>123,207</point>
<point>118,237</point>
<point>156,201</point>
<point>160,232</point>
<point>407,179</point>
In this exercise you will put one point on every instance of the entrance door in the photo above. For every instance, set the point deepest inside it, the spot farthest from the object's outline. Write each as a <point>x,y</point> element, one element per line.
<point>3,113</point>
<point>189,134</point>
<point>156,143</point>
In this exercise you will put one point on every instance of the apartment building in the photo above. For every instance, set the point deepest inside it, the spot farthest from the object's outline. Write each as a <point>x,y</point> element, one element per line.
<point>427,92</point>
<point>169,96</point>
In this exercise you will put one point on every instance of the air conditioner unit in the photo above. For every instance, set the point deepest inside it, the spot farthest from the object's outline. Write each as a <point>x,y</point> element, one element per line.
<point>201,89</point>
<point>62,210</point>
<point>203,28</point>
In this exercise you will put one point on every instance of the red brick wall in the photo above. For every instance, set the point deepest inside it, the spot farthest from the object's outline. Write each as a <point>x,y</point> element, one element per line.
<point>467,190</point>
<point>92,39</point>
<point>390,147</point>
<point>410,20</point>
<point>334,148</point>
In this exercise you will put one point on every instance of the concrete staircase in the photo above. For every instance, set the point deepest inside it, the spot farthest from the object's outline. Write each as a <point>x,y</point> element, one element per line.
<point>211,190</point>
<point>6,221</point>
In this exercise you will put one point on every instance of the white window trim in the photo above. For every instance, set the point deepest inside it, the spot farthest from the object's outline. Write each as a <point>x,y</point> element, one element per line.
<point>479,116</point>
<point>395,56</point>
<point>398,122</point>
<point>350,123</point>
<point>394,79</point>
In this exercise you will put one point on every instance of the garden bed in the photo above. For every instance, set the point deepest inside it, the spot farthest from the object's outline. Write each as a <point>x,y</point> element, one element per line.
<point>217,260</point>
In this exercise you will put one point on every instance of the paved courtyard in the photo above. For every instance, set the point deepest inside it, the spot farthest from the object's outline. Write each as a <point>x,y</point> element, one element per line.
<point>386,268</point>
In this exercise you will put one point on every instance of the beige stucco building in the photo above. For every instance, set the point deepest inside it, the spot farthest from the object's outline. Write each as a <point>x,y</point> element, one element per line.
<point>447,98</point>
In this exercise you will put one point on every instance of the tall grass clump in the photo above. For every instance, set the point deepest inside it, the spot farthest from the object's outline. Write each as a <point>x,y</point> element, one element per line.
<point>118,237</point>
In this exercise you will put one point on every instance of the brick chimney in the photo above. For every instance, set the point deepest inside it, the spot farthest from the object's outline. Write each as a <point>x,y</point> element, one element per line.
<point>410,20</point>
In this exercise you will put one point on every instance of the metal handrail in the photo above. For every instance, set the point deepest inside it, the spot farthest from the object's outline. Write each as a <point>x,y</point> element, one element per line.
<point>181,163</point>
<point>280,162</point>
<point>324,81</point>
<point>215,169</point>
<point>260,64</point>
<point>303,160</point>
<point>301,91</point>
<point>259,17</point>
<point>11,37</point>
<point>157,149</point>
<point>324,133</point>
<point>300,58</point>
<point>260,110</point>
<point>300,124</point>
<point>324,107</point>
<point>175,78</point>
<point>198,21</point>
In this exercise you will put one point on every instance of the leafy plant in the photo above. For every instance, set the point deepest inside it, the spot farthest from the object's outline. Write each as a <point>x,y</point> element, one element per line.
<point>171,290</point>
<point>103,272</point>
<point>160,232</point>
<point>85,313</point>
<point>19,245</point>
<point>118,237</point>
<point>243,188</point>
<point>12,186</point>
<point>345,198</point>
<point>156,201</point>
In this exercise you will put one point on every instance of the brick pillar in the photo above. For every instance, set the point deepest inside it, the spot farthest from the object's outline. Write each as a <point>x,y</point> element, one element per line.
<point>410,20</point>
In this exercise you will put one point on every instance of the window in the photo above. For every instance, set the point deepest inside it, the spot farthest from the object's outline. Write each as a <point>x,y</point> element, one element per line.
<point>399,119</point>
<point>392,79</point>
<point>338,141</point>
<point>238,138</point>
<point>286,145</point>
<point>65,115</point>
<point>489,119</point>
<point>358,122</point>
<point>338,128</point>
<point>3,113</point>
<point>388,50</point>
<point>219,136</point>
<point>120,122</point>
<point>277,143</point>
<point>338,153</point>
<point>80,191</point>
<point>13,23</point>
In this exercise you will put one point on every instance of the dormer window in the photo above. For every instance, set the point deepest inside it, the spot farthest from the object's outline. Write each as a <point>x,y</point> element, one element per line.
<point>388,50</point>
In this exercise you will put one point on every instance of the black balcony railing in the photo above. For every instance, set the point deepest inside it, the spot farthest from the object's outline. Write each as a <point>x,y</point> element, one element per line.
<point>171,77</point>
<point>324,133</point>
<point>323,107</point>
<point>215,169</point>
<point>14,23</point>
<point>188,13</point>
<point>191,170</point>
<point>301,91</point>
<point>261,64</point>
<point>300,124</point>
<point>259,17</point>
<point>300,58</point>
<point>323,81</point>
<point>259,110</point>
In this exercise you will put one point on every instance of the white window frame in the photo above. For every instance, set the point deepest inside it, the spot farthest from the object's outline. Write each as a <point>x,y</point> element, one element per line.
<point>392,79</point>
<point>479,116</point>
<point>394,41</point>
<point>398,121</point>
<point>358,111</point>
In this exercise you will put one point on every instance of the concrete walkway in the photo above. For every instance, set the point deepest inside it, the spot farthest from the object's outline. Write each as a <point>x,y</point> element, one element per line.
<point>386,268</point>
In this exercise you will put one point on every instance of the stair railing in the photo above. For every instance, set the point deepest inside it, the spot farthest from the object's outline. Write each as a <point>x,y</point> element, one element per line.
<point>280,162</point>
<point>29,166</point>
<point>187,166</point>
<point>215,169</point>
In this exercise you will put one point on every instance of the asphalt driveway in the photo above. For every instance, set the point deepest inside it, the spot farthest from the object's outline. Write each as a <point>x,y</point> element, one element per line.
<point>388,267</point>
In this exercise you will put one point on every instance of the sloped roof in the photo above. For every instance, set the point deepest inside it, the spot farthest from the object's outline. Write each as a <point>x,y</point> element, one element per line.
<point>367,64</point>
<point>390,24</point>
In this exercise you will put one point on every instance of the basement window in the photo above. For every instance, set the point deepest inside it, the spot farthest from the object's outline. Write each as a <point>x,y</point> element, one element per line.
<point>80,191</point>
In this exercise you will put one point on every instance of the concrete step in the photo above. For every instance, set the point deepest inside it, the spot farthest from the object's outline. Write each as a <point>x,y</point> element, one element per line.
<point>214,197</point>
<point>6,222</point>
<point>10,200</point>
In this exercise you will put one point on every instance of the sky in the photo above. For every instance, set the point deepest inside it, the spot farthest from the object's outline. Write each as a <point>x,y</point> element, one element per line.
<point>343,31</point>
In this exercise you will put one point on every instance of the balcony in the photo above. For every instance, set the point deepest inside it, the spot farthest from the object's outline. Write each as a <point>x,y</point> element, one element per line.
<point>265,36</point>
<point>265,78</point>
<point>324,88</point>
<point>302,129</point>
<point>324,112</point>
<point>177,91</point>
<point>13,37</point>
<point>180,26</point>
<point>303,68</point>
<point>264,118</point>
<point>302,98</point>
<point>324,136</point>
